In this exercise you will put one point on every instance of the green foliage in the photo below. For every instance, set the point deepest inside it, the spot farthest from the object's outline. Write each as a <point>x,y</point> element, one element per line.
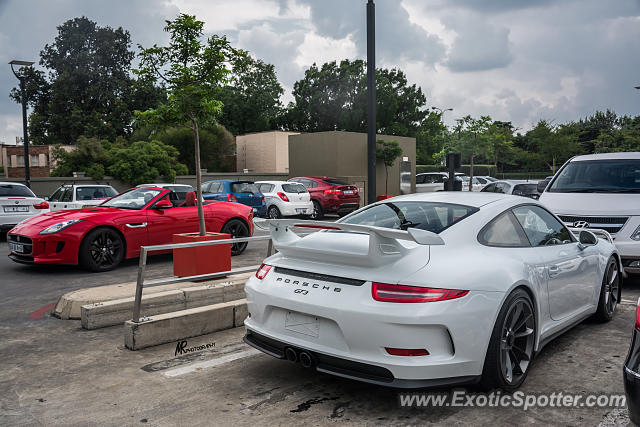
<point>88,90</point>
<point>139,162</point>
<point>252,99</point>
<point>387,152</point>
<point>144,161</point>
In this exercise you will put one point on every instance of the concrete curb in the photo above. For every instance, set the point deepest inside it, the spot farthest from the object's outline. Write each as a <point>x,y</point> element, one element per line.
<point>116,312</point>
<point>170,327</point>
<point>69,305</point>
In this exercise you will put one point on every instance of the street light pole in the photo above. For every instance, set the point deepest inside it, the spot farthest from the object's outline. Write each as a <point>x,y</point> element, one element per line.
<point>23,96</point>
<point>371,101</point>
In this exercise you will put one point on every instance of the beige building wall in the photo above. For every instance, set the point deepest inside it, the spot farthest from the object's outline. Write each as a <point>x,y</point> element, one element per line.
<point>263,152</point>
<point>344,155</point>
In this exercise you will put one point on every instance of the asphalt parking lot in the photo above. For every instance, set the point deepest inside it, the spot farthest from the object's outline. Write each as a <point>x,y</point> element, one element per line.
<point>54,372</point>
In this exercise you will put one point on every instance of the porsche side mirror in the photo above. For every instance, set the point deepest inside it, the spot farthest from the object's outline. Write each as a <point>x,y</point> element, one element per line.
<point>163,204</point>
<point>587,238</point>
<point>543,184</point>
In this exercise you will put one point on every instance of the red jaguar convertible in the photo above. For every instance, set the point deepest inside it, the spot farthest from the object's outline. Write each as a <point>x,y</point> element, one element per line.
<point>100,237</point>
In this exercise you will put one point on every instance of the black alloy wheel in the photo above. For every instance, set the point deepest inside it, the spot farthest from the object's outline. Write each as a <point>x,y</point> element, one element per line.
<point>237,229</point>
<point>610,292</point>
<point>101,250</point>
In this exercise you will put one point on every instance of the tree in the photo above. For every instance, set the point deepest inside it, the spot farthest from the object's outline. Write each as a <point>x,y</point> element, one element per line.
<point>333,97</point>
<point>554,144</point>
<point>471,139</point>
<point>88,89</point>
<point>144,161</point>
<point>91,156</point>
<point>252,99</point>
<point>192,72</point>
<point>387,152</point>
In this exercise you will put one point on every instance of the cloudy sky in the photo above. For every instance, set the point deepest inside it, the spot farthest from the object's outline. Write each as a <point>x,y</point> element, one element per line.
<point>513,60</point>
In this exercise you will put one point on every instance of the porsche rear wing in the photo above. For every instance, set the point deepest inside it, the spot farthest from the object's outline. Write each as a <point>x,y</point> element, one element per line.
<point>603,234</point>
<point>384,243</point>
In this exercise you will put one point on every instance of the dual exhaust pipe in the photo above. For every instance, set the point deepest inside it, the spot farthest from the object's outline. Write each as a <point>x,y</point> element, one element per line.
<point>304,357</point>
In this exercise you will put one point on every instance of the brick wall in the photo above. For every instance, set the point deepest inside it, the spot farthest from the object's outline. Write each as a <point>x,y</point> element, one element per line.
<point>42,151</point>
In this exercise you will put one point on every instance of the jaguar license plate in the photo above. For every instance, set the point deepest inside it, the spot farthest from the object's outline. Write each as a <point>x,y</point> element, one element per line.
<point>16,247</point>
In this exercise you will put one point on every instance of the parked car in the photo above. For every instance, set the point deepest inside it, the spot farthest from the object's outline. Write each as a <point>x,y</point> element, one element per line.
<point>486,178</point>
<point>244,192</point>
<point>428,182</point>
<point>178,191</point>
<point>75,196</point>
<point>18,203</point>
<point>330,195</point>
<point>631,372</point>
<point>601,191</point>
<point>382,296</point>
<point>478,183</point>
<point>100,237</point>
<point>285,198</point>
<point>515,187</point>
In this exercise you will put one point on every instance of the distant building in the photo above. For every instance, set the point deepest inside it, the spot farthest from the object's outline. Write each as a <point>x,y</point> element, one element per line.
<point>263,152</point>
<point>41,161</point>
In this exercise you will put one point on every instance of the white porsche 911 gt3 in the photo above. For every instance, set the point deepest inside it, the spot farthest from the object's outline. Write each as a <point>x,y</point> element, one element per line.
<point>429,290</point>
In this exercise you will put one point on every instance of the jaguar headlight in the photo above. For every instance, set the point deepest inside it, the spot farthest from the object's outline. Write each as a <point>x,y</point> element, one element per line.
<point>59,226</point>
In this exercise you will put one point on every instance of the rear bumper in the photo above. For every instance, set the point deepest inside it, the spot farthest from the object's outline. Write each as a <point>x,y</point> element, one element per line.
<point>350,326</point>
<point>291,209</point>
<point>349,369</point>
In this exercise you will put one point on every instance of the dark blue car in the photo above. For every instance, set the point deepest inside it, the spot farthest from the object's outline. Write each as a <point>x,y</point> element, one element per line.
<point>244,192</point>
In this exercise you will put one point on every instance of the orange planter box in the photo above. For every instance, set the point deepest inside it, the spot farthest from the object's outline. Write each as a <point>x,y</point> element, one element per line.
<point>201,260</point>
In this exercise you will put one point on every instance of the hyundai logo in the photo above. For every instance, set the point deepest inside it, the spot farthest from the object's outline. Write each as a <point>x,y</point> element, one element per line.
<point>581,224</point>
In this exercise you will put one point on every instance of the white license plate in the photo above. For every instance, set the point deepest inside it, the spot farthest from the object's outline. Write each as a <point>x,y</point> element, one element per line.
<point>16,247</point>
<point>347,192</point>
<point>302,324</point>
<point>16,208</point>
<point>301,210</point>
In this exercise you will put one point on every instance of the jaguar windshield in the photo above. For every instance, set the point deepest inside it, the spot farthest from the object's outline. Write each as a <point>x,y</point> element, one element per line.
<point>598,176</point>
<point>133,199</point>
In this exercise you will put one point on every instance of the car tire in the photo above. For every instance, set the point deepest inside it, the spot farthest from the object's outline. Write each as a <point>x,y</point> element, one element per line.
<point>609,292</point>
<point>273,212</point>
<point>236,228</point>
<point>511,347</point>
<point>317,214</point>
<point>102,249</point>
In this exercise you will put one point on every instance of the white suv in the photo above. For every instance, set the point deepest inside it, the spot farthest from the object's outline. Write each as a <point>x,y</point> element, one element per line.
<point>601,191</point>
<point>72,196</point>
<point>285,198</point>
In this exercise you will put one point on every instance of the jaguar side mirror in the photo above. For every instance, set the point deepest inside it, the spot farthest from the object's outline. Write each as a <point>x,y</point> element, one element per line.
<point>163,204</point>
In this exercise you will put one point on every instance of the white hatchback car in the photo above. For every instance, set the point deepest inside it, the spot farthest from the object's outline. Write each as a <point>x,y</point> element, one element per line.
<point>285,198</point>
<point>17,203</point>
<point>429,290</point>
<point>77,196</point>
<point>517,187</point>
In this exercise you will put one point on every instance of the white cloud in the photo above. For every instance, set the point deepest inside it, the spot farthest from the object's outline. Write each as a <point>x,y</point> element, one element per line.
<point>318,49</point>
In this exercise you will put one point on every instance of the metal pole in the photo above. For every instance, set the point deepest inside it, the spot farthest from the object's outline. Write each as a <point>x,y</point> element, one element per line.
<point>27,172</point>
<point>371,102</point>
<point>139,284</point>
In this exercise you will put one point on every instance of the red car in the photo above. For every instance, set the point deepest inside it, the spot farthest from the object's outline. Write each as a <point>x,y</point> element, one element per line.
<point>100,237</point>
<point>330,195</point>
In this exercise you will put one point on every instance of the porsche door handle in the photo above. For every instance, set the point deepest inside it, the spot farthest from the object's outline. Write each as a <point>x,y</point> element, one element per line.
<point>137,225</point>
<point>554,270</point>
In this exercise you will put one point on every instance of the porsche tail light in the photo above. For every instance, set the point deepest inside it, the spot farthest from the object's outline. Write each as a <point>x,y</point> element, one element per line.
<point>231,198</point>
<point>283,196</point>
<point>401,293</point>
<point>638,316</point>
<point>43,205</point>
<point>407,351</point>
<point>263,271</point>
<point>332,191</point>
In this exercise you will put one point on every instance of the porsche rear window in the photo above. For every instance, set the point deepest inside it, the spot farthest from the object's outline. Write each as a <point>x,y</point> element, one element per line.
<point>430,216</point>
<point>15,190</point>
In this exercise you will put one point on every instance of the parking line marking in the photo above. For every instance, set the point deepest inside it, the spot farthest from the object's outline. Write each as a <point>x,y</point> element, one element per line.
<point>41,311</point>
<point>211,363</point>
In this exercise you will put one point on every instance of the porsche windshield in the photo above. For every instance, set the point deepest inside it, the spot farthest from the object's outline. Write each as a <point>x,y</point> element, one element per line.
<point>133,199</point>
<point>430,216</point>
<point>598,176</point>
